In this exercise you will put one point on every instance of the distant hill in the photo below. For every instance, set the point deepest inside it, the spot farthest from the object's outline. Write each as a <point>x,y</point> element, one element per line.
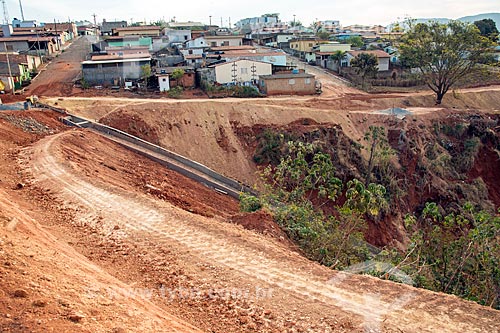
<point>494,16</point>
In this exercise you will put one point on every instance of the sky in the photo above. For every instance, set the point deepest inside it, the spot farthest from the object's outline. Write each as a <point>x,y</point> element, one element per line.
<point>368,12</point>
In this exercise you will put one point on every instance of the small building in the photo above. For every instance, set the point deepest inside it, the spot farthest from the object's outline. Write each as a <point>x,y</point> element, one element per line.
<point>239,72</point>
<point>16,23</point>
<point>145,30</point>
<point>324,51</point>
<point>178,36</point>
<point>288,84</point>
<point>214,41</point>
<point>383,58</point>
<point>303,47</point>
<point>107,27</point>
<point>114,70</point>
<point>163,82</point>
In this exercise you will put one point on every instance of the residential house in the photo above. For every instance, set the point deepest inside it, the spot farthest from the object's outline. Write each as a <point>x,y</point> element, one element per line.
<point>393,52</point>
<point>130,41</point>
<point>238,72</point>
<point>22,67</point>
<point>214,41</point>
<point>66,31</point>
<point>279,40</point>
<point>303,47</point>
<point>199,42</point>
<point>16,23</point>
<point>33,45</point>
<point>113,69</point>
<point>107,27</point>
<point>275,58</point>
<point>383,58</point>
<point>86,30</point>
<point>298,83</point>
<point>137,31</point>
<point>331,26</point>
<point>324,51</point>
<point>176,36</point>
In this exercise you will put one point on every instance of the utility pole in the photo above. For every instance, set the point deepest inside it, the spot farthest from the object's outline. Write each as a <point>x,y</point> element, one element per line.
<point>230,22</point>
<point>294,20</point>
<point>57,37</point>
<point>22,11</point>
<point>10,71</point>
<point>221,22</point>
<point>5,13</point>
<point>210,20</point>
<point>95,23</point>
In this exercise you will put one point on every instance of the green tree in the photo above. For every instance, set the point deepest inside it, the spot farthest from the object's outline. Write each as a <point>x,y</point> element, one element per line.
<point>177,74</point>
<point>146,73</point>
<point>457,253</point>
<point>487,28</point>
<point>443,53</point>
<point>379,149</point>
<point>298,189</point>
<point>365,65</point>
<point>338,56</point>
<point>355,41</point>
<point>324,35</point>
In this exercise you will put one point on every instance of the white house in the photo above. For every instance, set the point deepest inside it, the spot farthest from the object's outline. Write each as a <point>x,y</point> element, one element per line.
<point>383,58</point>
<point>164,82</point>
<point>240,71</point>
<point>214,41</point>
<point>197,42</point>
<point>178,36</point>
<point>322,52</point>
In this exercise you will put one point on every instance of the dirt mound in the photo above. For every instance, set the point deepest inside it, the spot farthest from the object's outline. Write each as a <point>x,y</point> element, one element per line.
<point>263,223</point>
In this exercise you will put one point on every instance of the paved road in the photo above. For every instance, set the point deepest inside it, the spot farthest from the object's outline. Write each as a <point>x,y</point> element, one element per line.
<point>58,76</point>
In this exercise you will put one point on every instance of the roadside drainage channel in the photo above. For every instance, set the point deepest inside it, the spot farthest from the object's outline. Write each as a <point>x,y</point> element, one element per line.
<point>189,168</point>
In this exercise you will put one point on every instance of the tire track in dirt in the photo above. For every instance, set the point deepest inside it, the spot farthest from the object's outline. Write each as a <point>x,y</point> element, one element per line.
<point>137,214</point>
<point>92,276</point>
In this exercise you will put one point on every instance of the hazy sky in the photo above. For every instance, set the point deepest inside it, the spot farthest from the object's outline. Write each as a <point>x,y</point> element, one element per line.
<point>347,11</point>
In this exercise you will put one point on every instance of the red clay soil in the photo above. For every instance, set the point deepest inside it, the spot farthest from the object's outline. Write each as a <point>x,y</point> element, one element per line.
<point>145,175</point>
<point>132,125</point>
<point>487,166</point>
<point>262,222</point>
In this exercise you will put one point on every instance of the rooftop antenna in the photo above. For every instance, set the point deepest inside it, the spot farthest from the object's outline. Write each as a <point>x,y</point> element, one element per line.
<point>5,13</point>
<point>22,11</point>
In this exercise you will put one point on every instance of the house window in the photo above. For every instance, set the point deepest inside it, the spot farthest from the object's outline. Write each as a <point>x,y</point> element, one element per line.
<point>225,43</point>
<point>310,44</point>
<point>213,44</point>
<point>185,37</point>
<point>307,81</point>
<point>10,48</point>
<point>244,70</point>
<point>291,81</point>
<point>164,80</point>
<point>190,51</point>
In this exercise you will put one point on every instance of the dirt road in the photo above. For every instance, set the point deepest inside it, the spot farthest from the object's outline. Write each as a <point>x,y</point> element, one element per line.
<point>59,75</point>
<point>298,286</point>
